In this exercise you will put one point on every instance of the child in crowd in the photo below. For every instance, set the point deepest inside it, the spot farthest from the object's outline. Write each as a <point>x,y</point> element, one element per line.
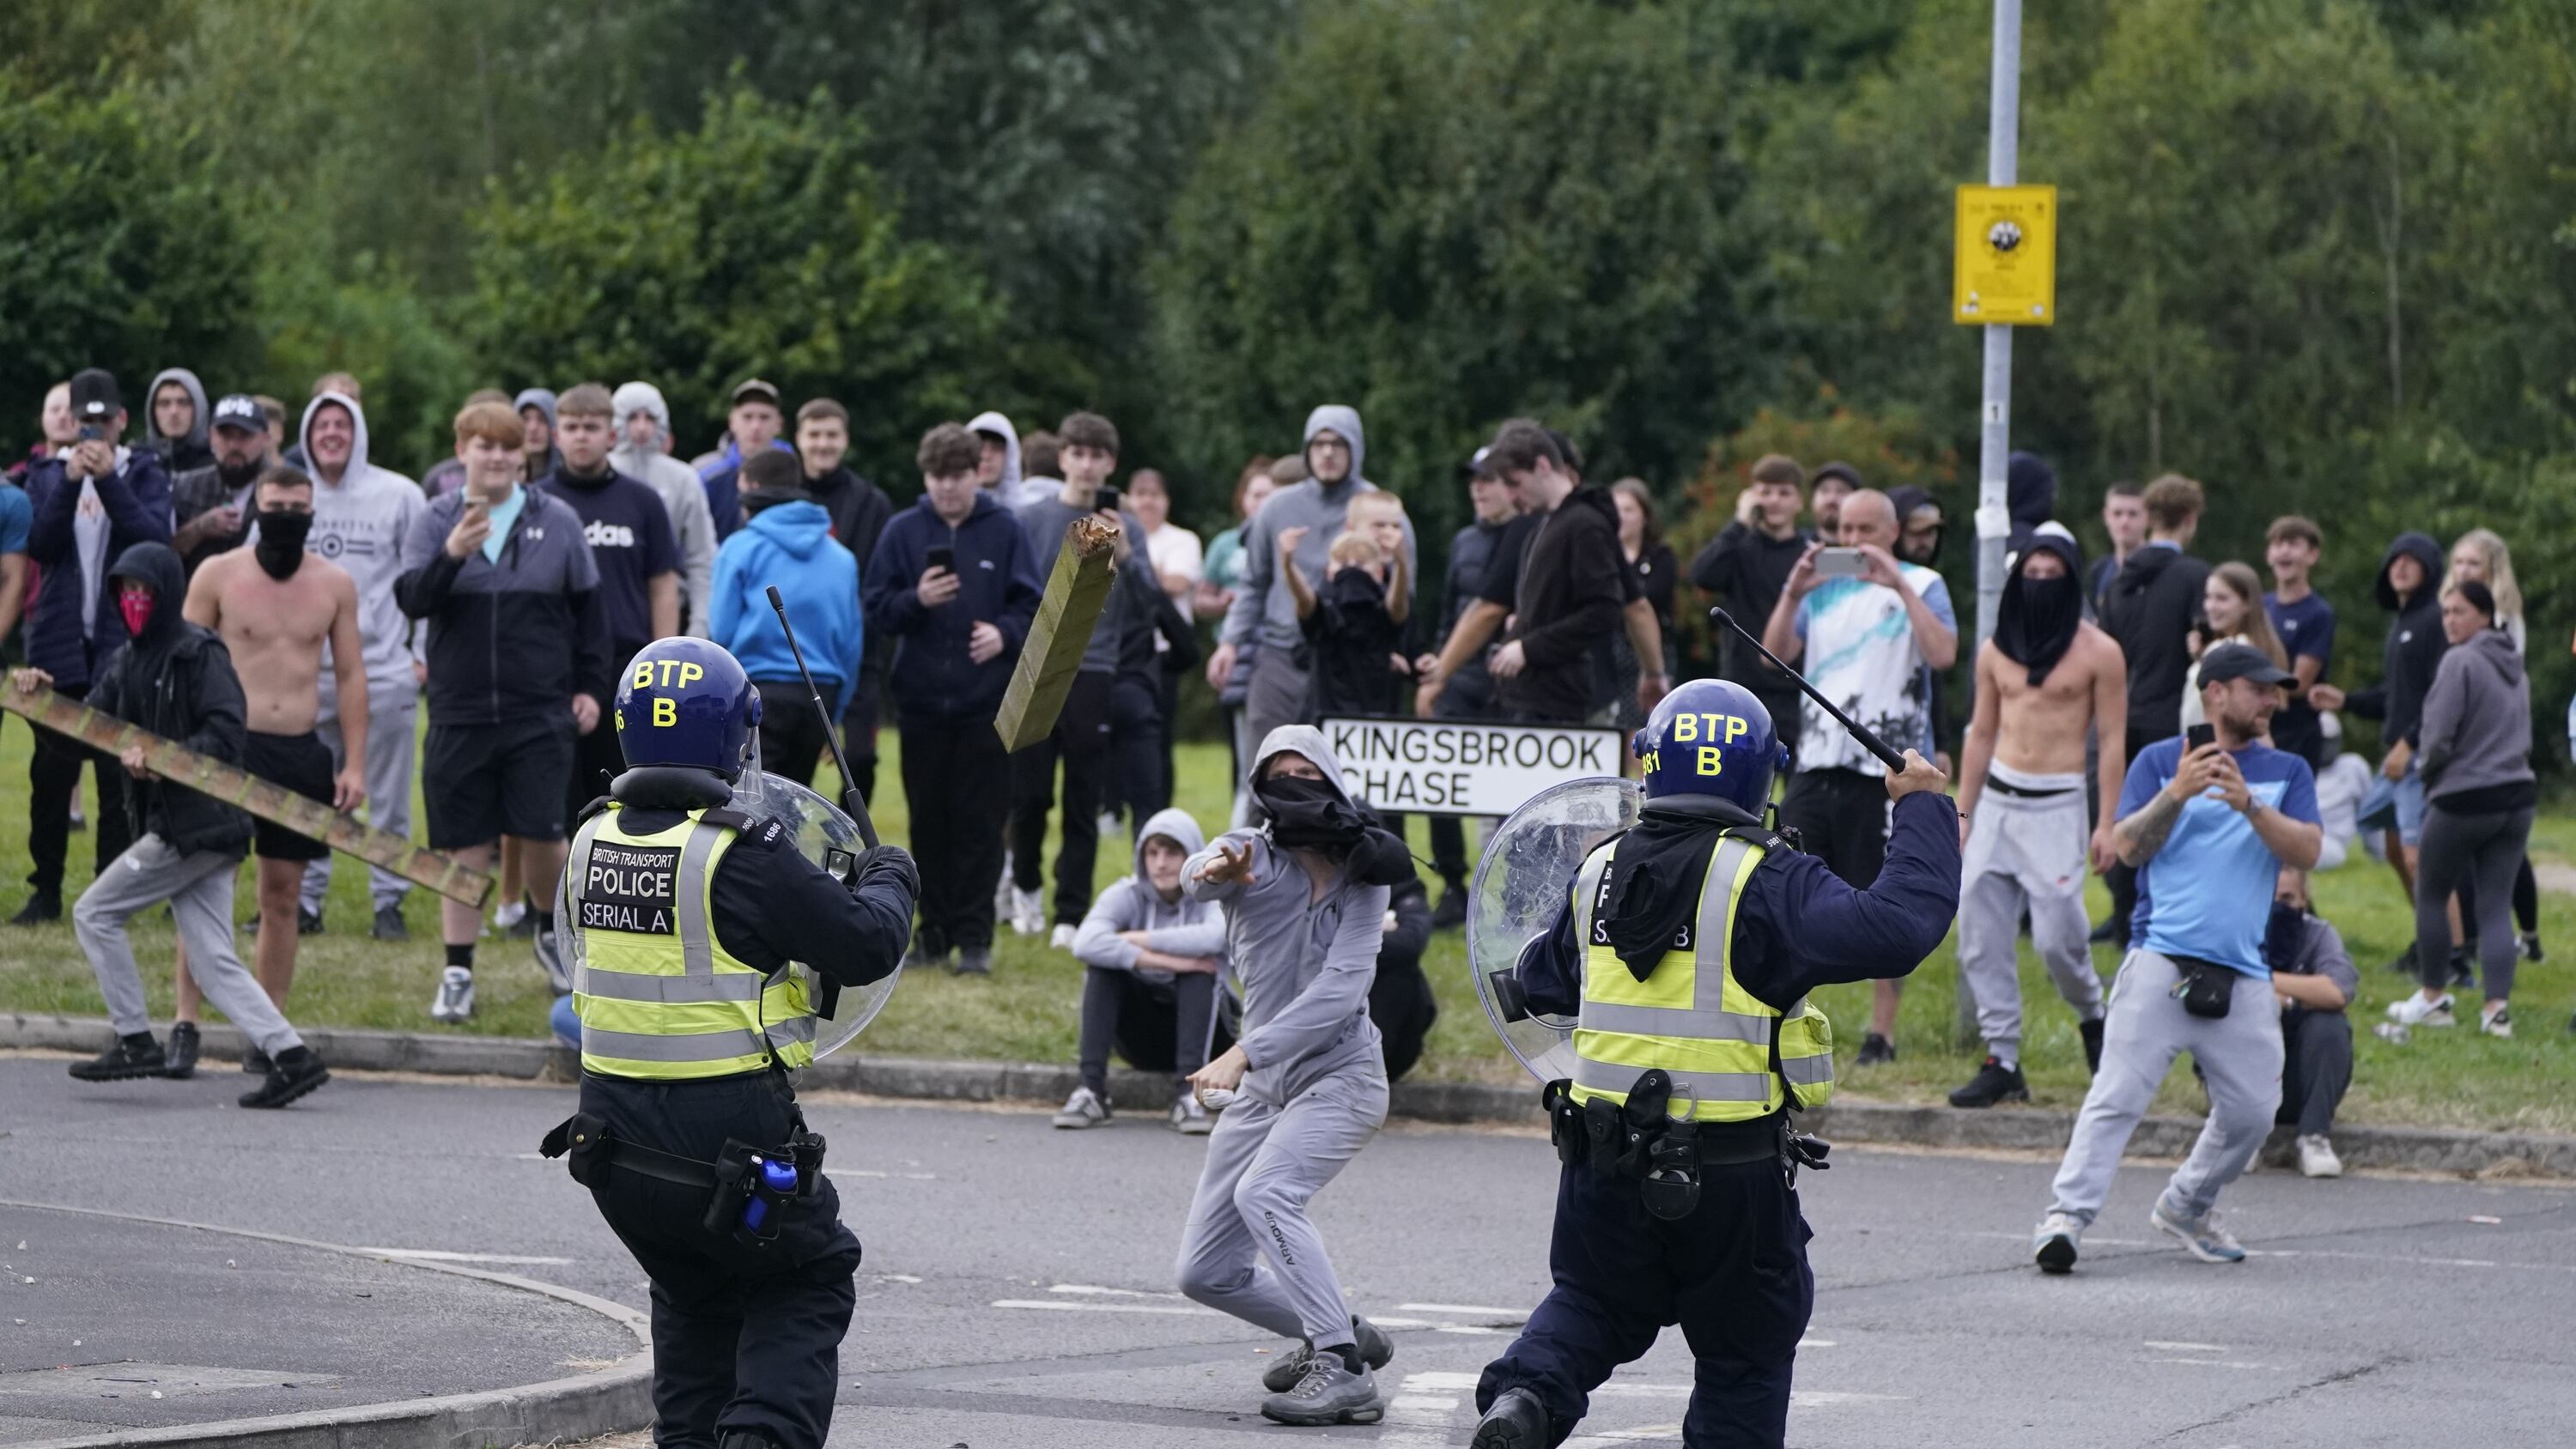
<point>1149,984</point>
<point>1354,620</point>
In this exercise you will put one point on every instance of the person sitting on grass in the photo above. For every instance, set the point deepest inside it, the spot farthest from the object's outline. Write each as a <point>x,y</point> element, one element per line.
<point>1149,957</point>
<point>2313,975</point>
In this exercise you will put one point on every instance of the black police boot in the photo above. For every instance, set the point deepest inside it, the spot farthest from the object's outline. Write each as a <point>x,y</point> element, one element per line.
<point>1994,1082</point>
<point>125,1059</point>
<point>1516,1421</point>
<point>295,1072</point>
<point>181,1058</point>
<point>2092,1031</point>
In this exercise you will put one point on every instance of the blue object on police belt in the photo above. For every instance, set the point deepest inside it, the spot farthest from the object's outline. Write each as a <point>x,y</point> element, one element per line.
<point>770,1190</point>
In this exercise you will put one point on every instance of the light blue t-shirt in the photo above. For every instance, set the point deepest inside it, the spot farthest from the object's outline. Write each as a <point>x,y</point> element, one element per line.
<point>17,516</point>
<point>1860,652</point>
<point>503,515</point>
<point>2208,892</point>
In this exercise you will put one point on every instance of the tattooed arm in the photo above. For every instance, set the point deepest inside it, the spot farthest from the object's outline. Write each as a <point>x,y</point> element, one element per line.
<point>2144,832</point>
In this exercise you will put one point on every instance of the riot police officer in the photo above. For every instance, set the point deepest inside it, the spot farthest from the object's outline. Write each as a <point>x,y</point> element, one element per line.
<point>689,1137</point>
<point>1685,955</point>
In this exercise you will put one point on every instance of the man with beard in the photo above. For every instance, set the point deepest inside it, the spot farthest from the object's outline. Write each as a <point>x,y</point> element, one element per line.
<point>275,607</point>
<point>2042,680</point>
<point>211,503</point>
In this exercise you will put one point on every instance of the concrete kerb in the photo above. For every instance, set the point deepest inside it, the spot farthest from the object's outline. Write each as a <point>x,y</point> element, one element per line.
<point>2415,1149</point>
<point>606,1401</point>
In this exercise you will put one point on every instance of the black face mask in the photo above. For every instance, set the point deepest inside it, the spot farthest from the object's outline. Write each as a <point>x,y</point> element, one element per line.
<point>2038,621</point>
<point>1310,815</point>
<point>2283,935</point>
<point>281,540</point>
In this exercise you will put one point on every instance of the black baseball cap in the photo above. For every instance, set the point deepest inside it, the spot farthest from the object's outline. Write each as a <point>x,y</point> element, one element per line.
<point>1474,467</point>
<point>94,396</point>
<point>242,411</point>
<point>2241,661</point>
<point>1844,471</point>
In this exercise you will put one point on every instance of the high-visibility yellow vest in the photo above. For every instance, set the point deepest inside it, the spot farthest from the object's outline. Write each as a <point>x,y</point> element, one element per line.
<point>658,995</point>
<point>1690,1016</point>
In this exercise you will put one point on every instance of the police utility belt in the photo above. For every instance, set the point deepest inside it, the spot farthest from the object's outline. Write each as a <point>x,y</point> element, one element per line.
<point>749,1187</point>
<point>1639,1142</point>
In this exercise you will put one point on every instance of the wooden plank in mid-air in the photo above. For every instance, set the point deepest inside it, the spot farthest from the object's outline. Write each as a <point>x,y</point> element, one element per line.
<point>1075,594</point>
<point>431,869</point>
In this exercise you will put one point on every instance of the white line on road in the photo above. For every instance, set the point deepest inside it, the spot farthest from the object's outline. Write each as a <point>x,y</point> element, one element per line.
<point>1514,1314</point>
<point>880,1176</point>
<point>1058,1305</point>
<point>1095,1291</point>
<point>2176,1346</point>
<point>434,1255</point>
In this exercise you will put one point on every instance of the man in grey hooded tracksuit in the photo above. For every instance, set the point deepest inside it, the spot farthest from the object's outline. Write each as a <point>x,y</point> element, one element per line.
<point>361,516</point>
<point>187,448</point>
<point>1150,956</point>
<point>1303,929</point>
<point>640,452</point>
<point>1264,610</point>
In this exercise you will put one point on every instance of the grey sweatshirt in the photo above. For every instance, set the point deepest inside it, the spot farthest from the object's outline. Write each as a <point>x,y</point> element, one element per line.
<point>2477,718</point>
<point>360,524</point>
<point>681,493</point>
<point>1264,611</point>
<point>1045,522</point>
<point>1182,927</point>
<point>1305,962</point>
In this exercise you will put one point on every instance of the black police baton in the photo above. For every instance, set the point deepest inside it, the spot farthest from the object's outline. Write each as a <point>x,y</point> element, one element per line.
<point>851,804</point>
<point>1868,740</point>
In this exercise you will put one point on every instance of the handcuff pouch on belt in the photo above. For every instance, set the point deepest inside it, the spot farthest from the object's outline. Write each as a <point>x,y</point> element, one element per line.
<point>734,1180</point>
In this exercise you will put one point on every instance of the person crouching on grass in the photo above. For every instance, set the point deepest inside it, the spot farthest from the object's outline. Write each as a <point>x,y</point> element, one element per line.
<point>1150,956</point>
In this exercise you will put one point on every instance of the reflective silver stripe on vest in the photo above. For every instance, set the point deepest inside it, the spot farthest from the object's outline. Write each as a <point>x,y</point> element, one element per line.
<point>671,990</point>
<point>713,1046</point>
<point>1808,1071</point>
<point>797,1031</point>
<point>1707,1019</point>
<point>697,952</point>
<point>1705,1086</point>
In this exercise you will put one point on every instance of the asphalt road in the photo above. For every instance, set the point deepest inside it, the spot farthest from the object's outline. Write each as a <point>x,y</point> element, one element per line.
<point>1016,1290</point>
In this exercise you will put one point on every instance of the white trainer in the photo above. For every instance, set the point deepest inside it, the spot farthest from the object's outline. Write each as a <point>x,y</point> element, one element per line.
<point>1028,912</point>
<point>2317,1158</point>
<point>1062,940</point>
<point>2413,1010</point>
<point>455,999</point>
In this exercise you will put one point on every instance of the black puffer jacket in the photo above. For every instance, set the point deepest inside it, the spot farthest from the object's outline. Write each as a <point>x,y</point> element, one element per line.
<point>176,680</point>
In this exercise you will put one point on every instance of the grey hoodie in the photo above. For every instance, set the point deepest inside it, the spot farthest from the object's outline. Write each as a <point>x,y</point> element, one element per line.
<point>1184,927</point>
<point>1305,962</point>
<point>1007,487</point>
<point>360,523</point>
<point>681,493</point>
<point>195,445</point>
<point>2477,718</point>
<point>1264,612</point>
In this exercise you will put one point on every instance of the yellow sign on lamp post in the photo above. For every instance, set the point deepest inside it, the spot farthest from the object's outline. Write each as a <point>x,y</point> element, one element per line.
<point>2006,269</point>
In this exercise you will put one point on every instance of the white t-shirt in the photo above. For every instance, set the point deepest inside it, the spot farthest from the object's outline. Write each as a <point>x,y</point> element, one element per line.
<point>1860,653</point>
<point>1175,551</point>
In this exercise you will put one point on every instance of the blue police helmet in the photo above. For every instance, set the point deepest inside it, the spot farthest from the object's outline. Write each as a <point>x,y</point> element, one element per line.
<point>1711,737</point>
<point>687,702</point>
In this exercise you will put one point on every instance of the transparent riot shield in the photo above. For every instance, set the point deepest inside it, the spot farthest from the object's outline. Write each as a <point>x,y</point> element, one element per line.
<point>1527,874</point>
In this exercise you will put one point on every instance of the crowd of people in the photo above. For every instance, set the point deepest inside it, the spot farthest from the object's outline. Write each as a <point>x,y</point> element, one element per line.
<point>506,590</point>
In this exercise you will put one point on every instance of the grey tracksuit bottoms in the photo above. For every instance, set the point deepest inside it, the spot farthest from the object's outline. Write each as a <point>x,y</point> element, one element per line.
<point>1249,1249</point>
<point>390,746</point>
<point>2025,848</point>
<point>2239,1056</point>
<point>199,888</point>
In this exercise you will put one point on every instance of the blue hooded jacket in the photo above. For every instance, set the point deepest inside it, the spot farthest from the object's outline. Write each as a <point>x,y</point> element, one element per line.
<point>790,545</point>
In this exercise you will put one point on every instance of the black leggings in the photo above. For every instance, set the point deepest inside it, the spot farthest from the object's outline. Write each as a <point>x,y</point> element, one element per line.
<point>2460,848</point>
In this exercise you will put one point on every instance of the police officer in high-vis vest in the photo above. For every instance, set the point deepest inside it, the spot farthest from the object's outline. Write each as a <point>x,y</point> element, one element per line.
<point>689,1137</point>
<point>1685,954</point>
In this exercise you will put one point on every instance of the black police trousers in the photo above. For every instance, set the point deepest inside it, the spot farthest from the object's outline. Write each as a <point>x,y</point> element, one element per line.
<point>744,1338</point>
<point>1733,1274</point>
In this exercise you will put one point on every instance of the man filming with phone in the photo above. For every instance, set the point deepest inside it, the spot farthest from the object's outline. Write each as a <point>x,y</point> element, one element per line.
<point>1873,630</point>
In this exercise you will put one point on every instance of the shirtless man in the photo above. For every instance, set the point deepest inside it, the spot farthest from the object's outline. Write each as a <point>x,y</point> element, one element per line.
<point>2043,678</point>
<point>275,606</point>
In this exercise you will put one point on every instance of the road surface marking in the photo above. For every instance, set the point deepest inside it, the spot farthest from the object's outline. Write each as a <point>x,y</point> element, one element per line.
<point>2175,1346</point>
<point>1095,1291</point>
<point>1058,1305</point>
<point>434,1255</point>
<point>1514,1314</point>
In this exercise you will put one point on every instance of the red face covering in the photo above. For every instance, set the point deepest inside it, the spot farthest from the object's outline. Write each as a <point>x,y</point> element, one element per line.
<point>137,609</point>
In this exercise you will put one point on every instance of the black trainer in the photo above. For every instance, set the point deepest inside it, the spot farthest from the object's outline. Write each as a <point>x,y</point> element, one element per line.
<point>2464,971</point>
<point>389,925</point>
<point>1994,1082</point>
<point>2092,1031</point>
<point>1875,1050</point>
<point>1452,910</point>
<point>295,1072</point>
<point>126,1058</point>
<point>255,1062</point>
<point>2105,934</point>
<point>181,1059</point>
<point>1516,1421</point>
<point>39,909</point>
<point>2404,965</point>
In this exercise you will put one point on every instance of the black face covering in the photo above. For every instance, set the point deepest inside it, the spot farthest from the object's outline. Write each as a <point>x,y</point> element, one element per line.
<point>2283,935</point>
<point>1312,815</point>
<point>281,540</point>
<point>2037,623</point>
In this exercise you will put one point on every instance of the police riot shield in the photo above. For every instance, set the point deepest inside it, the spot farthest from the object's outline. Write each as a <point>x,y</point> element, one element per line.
<point>824,835</point>
<point>1525,876</point>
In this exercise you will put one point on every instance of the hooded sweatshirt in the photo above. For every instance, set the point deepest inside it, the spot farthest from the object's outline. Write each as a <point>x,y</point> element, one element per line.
<point>176,680</point>
<point>1568,598</point>
<point>1179,927</point>
<point>2414,647</point>
<point>1131,593</point>
<point>1305,962</point>
<point>543,400</point>
<point>677,483</point>
<point>789,545</point>
<point>1014,491</point>
<point>2477,727</point>
<point>1264,612</point>
<point>363,523</point>
<point>2030,497</point>
<point>932,677</point>
<point>2148,609</point>
<point>191,450</point>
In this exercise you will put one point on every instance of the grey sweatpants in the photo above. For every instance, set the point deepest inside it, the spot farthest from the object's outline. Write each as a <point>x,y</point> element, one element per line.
<point>2485,851</point>
<point>390,713</point>
<point>1249,1249</point>
<point>2023,851</point>
<point>2239,1056</point>
<point>199,888</point>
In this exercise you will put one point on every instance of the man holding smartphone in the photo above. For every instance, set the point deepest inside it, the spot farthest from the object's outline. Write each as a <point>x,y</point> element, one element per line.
<point>1876,630</point>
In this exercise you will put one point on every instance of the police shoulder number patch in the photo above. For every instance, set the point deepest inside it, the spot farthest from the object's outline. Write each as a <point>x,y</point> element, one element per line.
<point>631,888</point>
